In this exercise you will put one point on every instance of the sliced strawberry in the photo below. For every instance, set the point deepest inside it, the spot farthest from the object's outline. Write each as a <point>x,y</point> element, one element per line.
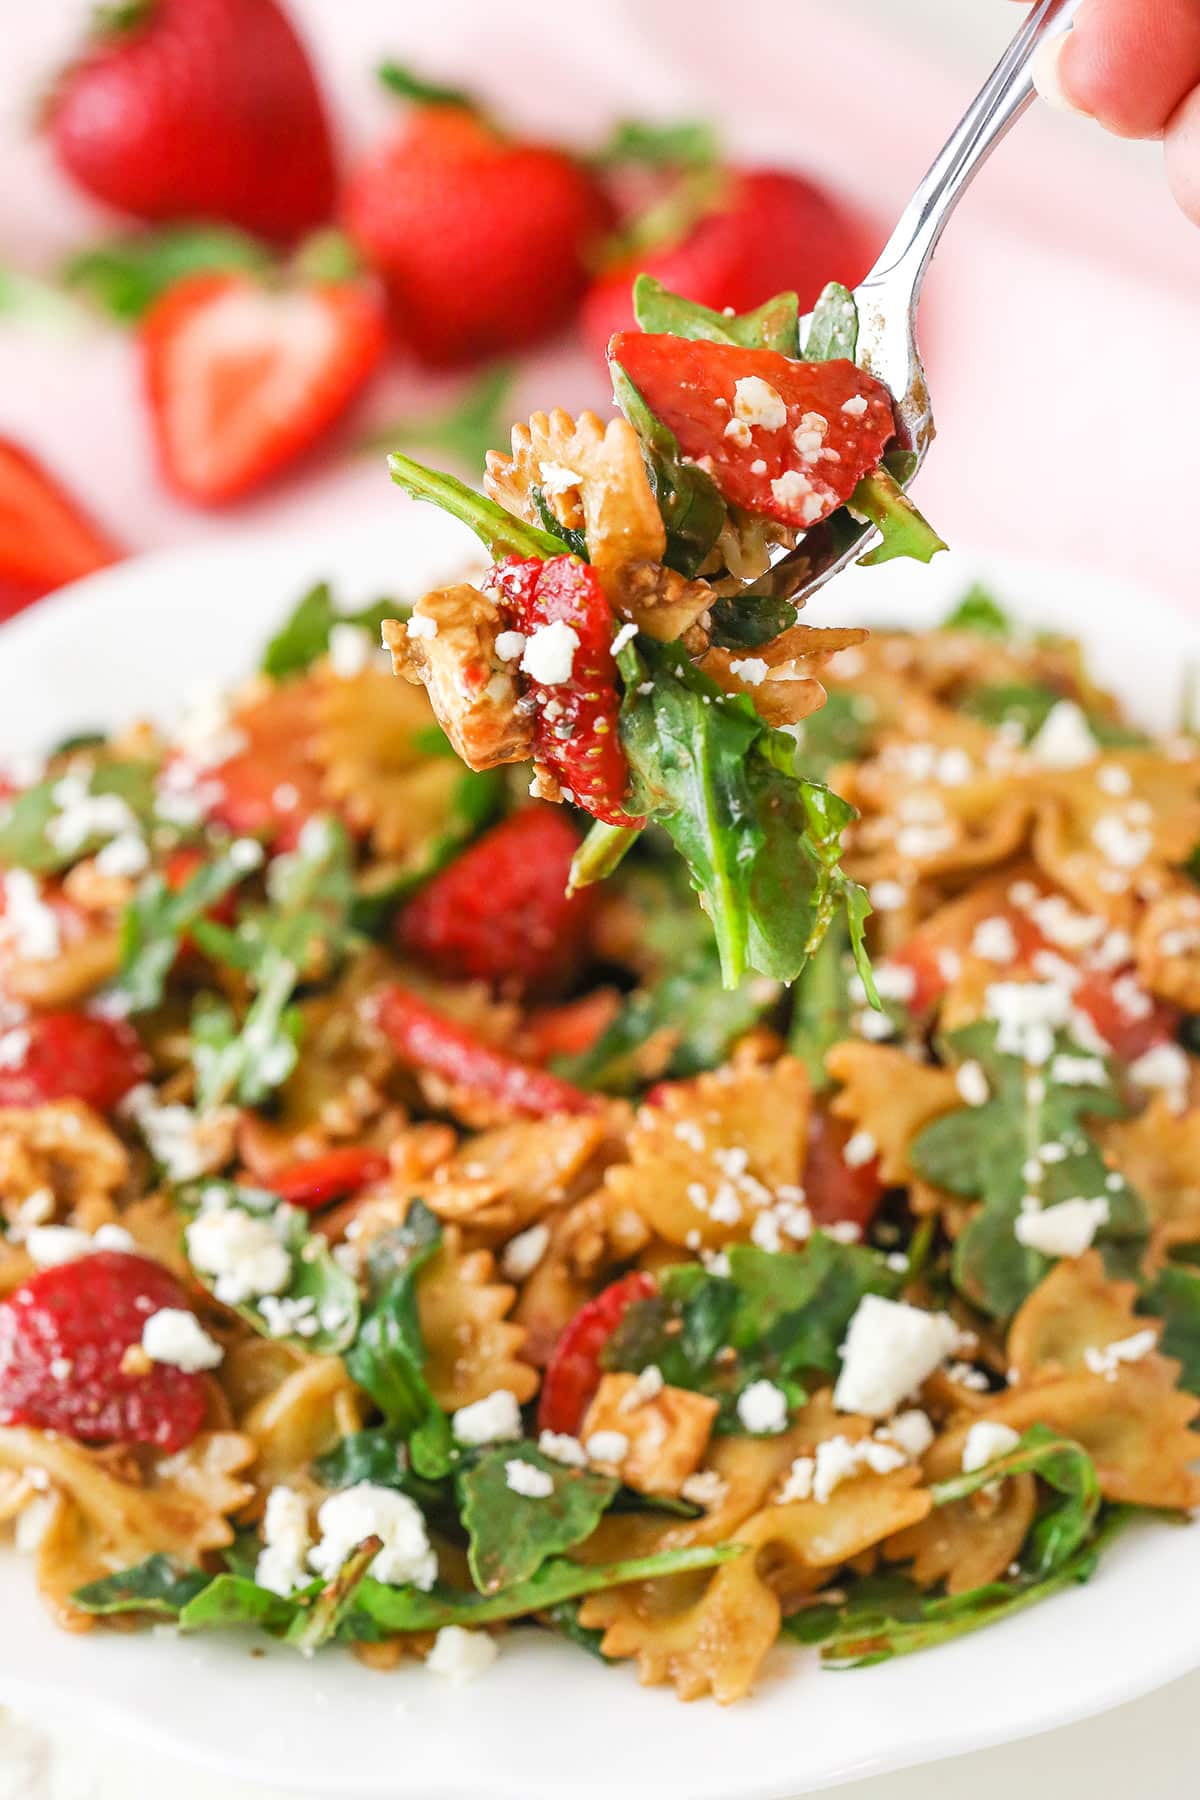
<point>576,731</point>
<point>272,787</point>
<point>837,1192</point>
<point>427,1039</point>
<point>71,1056</point>
<point>243,379</point>
<point>573,1371</point>
<point>320,1180</point>
<point>788,440</point>
<point>501,911</point>
<point>46,539</point>
<point>64,1339</point>
<point>570,1029</point>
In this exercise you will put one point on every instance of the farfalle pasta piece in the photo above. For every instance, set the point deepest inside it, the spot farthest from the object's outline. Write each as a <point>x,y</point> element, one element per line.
<point>782,677</point>
<point>586,1241</point>
<point>1167,948</point>
<point>666,1431</point>
<point>449,647</point>
<point>712,1153</point>
<point>1158,1152</point>
<point>310,1411</point>
<point>65,1149</point>
<point>1072,1317</point>
<point>969,1542</point>
<point>1133,1422</point>
<point>81,965</point>
<point>886,1094</point>
<point>661,602</point>
<point>101,1522</point>
<point>472,1346</point>
<point>503,1180</point>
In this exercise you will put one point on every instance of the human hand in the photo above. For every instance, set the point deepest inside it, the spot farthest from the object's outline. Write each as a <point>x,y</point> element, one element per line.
<point>1134,65</point>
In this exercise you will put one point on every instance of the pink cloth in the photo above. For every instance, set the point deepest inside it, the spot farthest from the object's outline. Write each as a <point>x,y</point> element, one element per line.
<point>1062,320</point>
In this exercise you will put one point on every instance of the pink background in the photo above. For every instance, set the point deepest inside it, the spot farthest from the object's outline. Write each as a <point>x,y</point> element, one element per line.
<point>1062,324</point>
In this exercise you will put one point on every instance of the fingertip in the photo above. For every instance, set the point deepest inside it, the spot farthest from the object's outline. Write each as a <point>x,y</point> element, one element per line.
<point>1182,147</point>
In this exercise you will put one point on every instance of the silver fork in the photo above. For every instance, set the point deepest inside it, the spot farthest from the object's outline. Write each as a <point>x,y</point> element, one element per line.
<point>887,298</point>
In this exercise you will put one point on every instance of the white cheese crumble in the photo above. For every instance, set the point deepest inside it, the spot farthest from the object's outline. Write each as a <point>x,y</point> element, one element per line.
<point>972,1084</point>
<point>1063,1230</point>
<point>794,489</point>
<point>28,924</point>
<point>1106,1359</point>
<point>561,1447</point>
<point>860,1149</point>
<point>461,1655</point>
<point>187,1144</point>
<point>911,1430</point>
<point>995,940</point>
<point>756,402</point>
<point>281,1561</point>
<point>762,1408</point>
<point>1078,1071</point>
<point>50,1245</point>
<point>242,1254</point>
<point>890,1349</point>
<point>420,625</point>
<point>986,1441</point>
<point>206,733</point>
<point>555,478</point>
<point>607,1447</point>
<point>752,670</point>
<point>523,1253</point>
<point>648,1384</point>
<point>855,407</point>
<point>625,636</point>
<point>364,1511</point>
<point>1065,740</point>
<point>1028,1013</point>
<point>123,856</point>
<point>530,1482</point>
<point>888,896</point>
<point>1120,843</point>
<point>549,655</point>
<point>705,1488</point>
<point>351,649</point>
<point>1165,1067</point>
<point>510,644</point>
<point>492,1420</point>
<point>177,1337</point>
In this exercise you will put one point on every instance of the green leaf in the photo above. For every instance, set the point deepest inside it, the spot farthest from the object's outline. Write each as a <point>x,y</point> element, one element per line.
<point>823,1008</point>
<point>689,500</point>
<point>1059,1531</point>
<point>743,621</point>
<point>833,333</point>
<point>408,1609</point>
<point>330,1320</point>
<point>601,854</point>
<point>28,829</point>
<point>840,731</point>
<point>982,1152</point>
<point>1174,1297</point>
<point>1030,703</point>
<point>159,918</point>
<point>304,635</point>
<point>980,612</point>
<point>401,80</point>
<point>510,1534</point>
<point>387,1358</point>
<point>677,144</point>
<point>501,533</point>
<point>465,431</point>
<point>231,1600</point>
<point>772,326</point>
<point>564,1618</point>
<point>760,841</point>
<point>157,1586</point>
<point>905,531</point>
<point>128,274</point>
<point>321,1622</point>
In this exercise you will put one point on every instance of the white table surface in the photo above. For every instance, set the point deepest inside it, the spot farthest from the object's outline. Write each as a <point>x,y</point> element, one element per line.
<point>1147,1748</point>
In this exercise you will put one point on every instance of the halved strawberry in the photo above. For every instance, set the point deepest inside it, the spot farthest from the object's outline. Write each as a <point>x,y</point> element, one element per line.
<point>320,1180</point>
<point>573,1371</point>
<point>501,911</point>
<point>242,379</point>
<point>71,1056</point>
<point>575,719</point>
<point>46,539</point>
<point>788,440</point>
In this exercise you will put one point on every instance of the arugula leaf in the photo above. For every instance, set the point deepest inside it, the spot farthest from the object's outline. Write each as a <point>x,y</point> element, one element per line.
<point>833,333</point>
<point>323,1619</point>
<point>231,1600</point>
<point>1030,703</point>
<point>27,835</point>
<point>328,1324</point>
<point>465,431</point>
<point>1174,1297</point>
<point>312,898</point>
<point>981,1153</point>
<point>979,611</point>
<point>304,635</point>
<point>501,533</point>
<point>839,732</point>
<point>1060,1530</point>
<point>693,511</point>
<point>775,325</point>
<point>126,276</point>
<point>387,1358</point>
<point>904,531</point>
<point>743,621</point>
<point>761,842</point>
<point>601,853</point>
<point>157,1586</point>
<point>683,143</point>
<point>823,1009</point>
<point>564,1618</point>
<point>510,1534</point>
<point>157,920</point>
<point>777,1315</point>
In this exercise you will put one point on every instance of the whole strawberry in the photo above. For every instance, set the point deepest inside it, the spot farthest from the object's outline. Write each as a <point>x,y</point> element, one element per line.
<point>481,240</point>
<point>198,109</point>
<point>46,539</point>
<point>751,234</point>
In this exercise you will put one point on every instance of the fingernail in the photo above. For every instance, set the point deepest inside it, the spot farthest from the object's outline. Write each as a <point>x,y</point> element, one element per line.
<point>1047,74</point>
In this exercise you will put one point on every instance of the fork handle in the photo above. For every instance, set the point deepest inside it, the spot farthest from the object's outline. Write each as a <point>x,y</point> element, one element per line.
<point>1006,94</point>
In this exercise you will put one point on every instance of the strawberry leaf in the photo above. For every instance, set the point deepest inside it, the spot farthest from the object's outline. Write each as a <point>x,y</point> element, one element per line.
<point>679,144</point>
<point>126,276</point>
<point>512,1534</point>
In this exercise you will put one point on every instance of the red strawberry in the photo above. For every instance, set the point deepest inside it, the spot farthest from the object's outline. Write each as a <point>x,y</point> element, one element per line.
<point>199,109</point>
<point>71,1056</point>
<point>573,1371</point>
<point>837,1193</point>
<point>481,240</point>
<point>427,1039</point>
<point>272,787</point>
<point>242,379</point>
<point>64,1337</point>
<point>789,440</point>
<point>46,540</point>
<point>501,911</point>
<point>332,1176</point>
<point>575,721</point>
<point>765,232</point>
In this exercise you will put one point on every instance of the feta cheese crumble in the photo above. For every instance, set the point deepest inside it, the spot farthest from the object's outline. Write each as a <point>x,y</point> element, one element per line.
<point>421,626</point>
<point>1106,1359</point>
<point>523,1478</point>
<point>561,1447</point>
<point>492,1420</point>
<point>890,1349</point>
<point>242,1254</point>
<point>607,1447</point>
<point>763,1409</point>
<point>281,1561</point>
<point>756,402</point>
<point>461,1655</point>
<point>549,654</point>
<point>365,1510</point>
<point>177,1337</point>
<point>1063,1230</point>
<point>972,1084</point>
<point>510,644</point>
<point>523,1253</point>
<point>1065,740</point>
<point>986,1441</point>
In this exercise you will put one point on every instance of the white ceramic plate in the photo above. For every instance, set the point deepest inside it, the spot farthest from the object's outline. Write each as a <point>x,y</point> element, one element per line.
<point>548,1720</point>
